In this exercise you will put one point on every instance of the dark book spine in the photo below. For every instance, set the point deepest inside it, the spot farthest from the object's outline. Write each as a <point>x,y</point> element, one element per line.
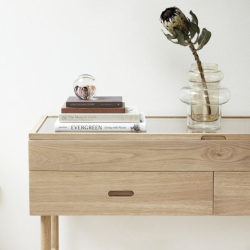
<point>93,110</point>
<point>94,104</point>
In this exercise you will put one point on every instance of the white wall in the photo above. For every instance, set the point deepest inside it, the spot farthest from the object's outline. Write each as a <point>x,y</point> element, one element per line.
<point>45,45</point>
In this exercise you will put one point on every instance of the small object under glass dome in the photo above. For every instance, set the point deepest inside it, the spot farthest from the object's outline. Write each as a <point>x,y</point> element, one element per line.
<point>84,87</point>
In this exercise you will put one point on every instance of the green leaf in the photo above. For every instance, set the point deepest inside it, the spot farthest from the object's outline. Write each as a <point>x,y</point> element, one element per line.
<point>170,37</point>
<point>194,17</point>
<point>203,38</point>
<point>181,38</point>
<point>193,28</point>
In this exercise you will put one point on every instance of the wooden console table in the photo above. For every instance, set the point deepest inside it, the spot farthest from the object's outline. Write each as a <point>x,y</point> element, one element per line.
<point>166,171</point>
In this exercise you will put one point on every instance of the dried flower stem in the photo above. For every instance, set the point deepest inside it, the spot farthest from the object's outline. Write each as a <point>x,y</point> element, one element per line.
<point>204,84</point>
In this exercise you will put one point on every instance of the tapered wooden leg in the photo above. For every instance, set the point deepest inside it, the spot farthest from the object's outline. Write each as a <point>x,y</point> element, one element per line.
<point>45,232</point>
<point>54,233</point>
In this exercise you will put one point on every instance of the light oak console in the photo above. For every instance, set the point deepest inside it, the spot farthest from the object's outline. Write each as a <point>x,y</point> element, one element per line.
<point>165,171</point>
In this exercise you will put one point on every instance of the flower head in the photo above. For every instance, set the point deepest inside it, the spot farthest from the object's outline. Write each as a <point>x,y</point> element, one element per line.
<point>172,19</point>
<point>182,29</point>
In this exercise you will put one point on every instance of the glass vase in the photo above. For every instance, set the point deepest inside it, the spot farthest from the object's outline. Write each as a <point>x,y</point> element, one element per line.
<point>204,100</point>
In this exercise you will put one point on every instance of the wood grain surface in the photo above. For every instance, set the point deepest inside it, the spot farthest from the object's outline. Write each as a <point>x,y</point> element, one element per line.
<point>86,193</point>
<point>54,233</point>
<point>232,193</point>
<point>150,155</point>
<point>45,233</point>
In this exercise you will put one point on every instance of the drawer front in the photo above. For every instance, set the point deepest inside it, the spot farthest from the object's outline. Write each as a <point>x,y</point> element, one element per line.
<point>232,193</point>
<point>166,155</point>
<point>121,193</point>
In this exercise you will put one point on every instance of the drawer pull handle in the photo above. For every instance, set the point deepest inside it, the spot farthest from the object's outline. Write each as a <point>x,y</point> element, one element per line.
<point>121,193</point>
<point>214,137</point>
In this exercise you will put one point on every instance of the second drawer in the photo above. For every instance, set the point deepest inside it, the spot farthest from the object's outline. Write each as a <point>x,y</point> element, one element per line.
<point>121,193</point>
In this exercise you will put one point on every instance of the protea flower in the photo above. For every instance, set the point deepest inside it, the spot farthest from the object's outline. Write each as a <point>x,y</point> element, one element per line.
<point>182,32</point>
<point>173,18</point>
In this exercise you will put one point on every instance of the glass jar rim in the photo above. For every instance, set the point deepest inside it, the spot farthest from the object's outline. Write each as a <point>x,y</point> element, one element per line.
<point>206,66</point>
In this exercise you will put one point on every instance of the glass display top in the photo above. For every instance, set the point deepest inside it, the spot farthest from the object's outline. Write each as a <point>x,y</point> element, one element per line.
<point>166,125</point>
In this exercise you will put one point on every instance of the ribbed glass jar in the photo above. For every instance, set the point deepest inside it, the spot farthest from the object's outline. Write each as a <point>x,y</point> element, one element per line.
<point>204,101</point>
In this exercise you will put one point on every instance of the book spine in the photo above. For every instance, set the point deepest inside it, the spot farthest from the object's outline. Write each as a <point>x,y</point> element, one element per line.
<point>99,118</point>
<point>94,104</point>
<point>105,127</point>
<point>92,110</point>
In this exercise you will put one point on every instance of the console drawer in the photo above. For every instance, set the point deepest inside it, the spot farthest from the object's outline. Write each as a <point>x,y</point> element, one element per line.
<point>148,155</point>
<point>232,193</point>
<point>121,193</point>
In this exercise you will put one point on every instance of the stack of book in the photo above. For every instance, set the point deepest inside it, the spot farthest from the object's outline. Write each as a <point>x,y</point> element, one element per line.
<point>103,113</point>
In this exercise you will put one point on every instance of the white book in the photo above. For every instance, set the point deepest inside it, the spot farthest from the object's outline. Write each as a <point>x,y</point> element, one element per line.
<point>101,126</point>
<point>131,114</point>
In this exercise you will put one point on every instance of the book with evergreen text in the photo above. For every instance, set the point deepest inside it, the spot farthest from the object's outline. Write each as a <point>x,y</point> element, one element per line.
<point>101,126</point>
